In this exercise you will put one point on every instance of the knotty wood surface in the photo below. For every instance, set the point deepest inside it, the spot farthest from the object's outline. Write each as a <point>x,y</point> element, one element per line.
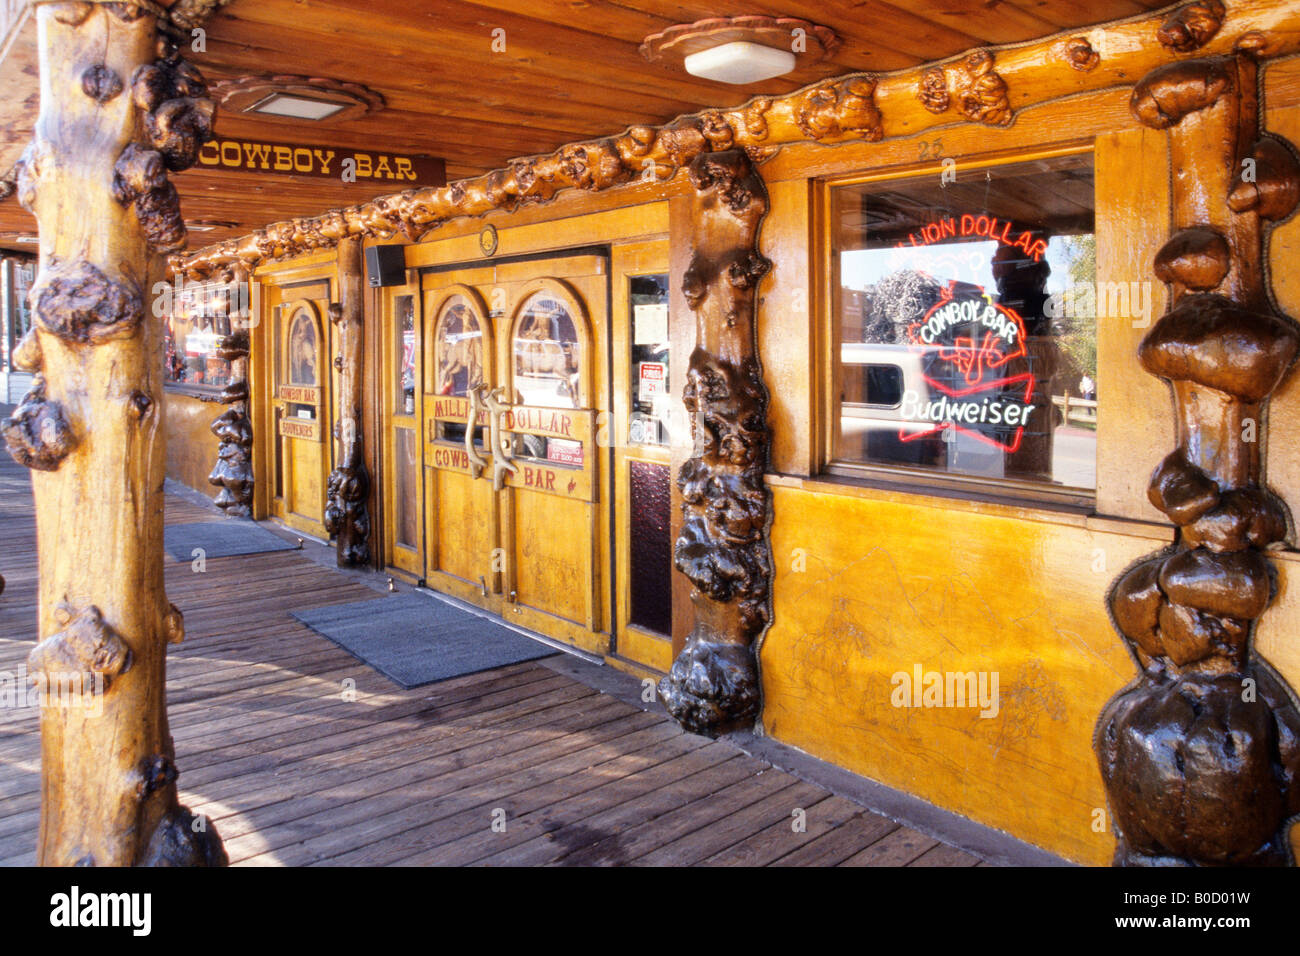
<point>292,774</point>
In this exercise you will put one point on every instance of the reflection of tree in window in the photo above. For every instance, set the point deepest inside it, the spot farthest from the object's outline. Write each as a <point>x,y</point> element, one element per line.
<point>546,355</point>
<point>460,351</point>
<point>302,351</point>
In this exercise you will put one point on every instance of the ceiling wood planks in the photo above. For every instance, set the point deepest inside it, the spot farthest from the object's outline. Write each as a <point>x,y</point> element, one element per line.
<point>570,71</point>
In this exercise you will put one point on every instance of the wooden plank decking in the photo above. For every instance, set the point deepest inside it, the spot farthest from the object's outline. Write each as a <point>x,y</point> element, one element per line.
<point>293,773</point>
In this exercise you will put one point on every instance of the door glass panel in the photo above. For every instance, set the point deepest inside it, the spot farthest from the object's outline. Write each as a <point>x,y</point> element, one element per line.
<point>547,373</point>
<point>408,505</point>
<point>458,344</point>
<point>302,349</point>
<point>651,566</point>
<point>404,313</point>
<point>650,409</point>
<point>546,355</point>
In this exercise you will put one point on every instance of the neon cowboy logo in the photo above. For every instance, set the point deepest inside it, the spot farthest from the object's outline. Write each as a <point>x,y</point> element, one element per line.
<point>976,352</point>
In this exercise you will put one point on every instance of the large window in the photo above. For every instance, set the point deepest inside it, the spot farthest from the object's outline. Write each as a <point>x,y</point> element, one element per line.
<point>963,344</point>
<point>199,321</point>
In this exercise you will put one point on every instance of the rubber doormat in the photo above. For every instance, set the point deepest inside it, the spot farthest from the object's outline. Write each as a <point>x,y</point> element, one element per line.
<point>415,639</point>
<point>221,539</point>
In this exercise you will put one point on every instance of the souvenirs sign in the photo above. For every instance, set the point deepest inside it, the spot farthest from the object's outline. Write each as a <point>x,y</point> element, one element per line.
<point>324,162</point>
<point>308,429</point>
<point>977,379</point>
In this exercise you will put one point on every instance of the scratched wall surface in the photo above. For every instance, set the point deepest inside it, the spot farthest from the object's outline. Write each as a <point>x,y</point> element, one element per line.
<point>952,591</point>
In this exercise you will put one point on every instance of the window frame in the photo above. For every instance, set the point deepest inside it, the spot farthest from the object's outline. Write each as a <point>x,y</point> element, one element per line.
<point>904,478</point>
<point>202,391</point>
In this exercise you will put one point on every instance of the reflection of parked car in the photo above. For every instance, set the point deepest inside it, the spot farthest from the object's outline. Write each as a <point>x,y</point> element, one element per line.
<point>879,383</point>
<point>873,381</point>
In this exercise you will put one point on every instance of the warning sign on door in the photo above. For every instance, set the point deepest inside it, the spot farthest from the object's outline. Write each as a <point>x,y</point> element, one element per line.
<point>652,378</point>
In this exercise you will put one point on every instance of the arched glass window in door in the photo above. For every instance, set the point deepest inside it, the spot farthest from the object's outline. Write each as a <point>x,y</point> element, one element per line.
<point>547,354</point>
<point>458,358</point>
<point>303,349</point>
<point>459,349</point>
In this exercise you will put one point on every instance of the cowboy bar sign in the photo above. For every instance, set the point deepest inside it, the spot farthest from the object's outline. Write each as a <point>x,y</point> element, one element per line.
<point>976,375</point>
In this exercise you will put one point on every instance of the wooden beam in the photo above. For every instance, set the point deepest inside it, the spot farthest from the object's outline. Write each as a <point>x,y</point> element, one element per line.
<point>988,86</point>
<point>1201,754</point>
<point>112,122</point>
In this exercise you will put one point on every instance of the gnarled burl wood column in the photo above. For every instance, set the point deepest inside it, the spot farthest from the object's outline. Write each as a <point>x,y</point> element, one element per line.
<point>112,122</point>
<point>1201,754</point>
<point>723,547</point>
<point>233,473</point>
<point>346,514</point>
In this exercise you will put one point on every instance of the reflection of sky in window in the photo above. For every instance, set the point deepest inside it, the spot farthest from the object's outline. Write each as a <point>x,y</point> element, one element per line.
<point>967,261</point>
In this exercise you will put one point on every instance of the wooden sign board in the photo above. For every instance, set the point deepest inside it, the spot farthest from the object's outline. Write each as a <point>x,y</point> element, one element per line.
<point>451,408</point>
<point>446,456</point>
<point>300,428</point>
<point>322,162</point>
<point>299,394</point>
<point>573,483</point>
<point>549,422</point>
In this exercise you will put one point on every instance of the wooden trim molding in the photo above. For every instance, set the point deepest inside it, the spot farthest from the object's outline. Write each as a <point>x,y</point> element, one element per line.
<point>723,544</point>
<point>113,121</point>
<point>988,86</point>
<point>1201,753</point>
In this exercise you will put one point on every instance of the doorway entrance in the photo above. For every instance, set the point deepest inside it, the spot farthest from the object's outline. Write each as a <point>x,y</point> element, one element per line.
<point>514,385</point>
<point>300,404</point>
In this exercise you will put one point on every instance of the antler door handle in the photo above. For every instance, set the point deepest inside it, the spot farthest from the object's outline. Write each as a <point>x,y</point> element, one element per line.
<point>503,461</point>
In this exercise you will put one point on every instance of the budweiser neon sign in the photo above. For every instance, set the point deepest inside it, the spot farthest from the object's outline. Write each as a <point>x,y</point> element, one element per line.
<point>980,343</point>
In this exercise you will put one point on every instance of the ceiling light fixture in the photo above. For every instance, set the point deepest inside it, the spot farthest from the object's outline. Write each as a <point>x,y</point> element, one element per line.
<point>739,63</point>
<point>742,50</point>
<point>296,107</point>
<point>311,99</point>
<point>209,225</point>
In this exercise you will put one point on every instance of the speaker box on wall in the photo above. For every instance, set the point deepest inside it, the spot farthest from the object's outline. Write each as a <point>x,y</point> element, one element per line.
<point>386,265</point>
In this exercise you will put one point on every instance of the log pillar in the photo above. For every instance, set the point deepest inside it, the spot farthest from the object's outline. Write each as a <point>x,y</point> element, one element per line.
<point>113,120</point>
<point>346,514</point>
<point>723,546</point>
<point>233,473</point>
<point>1201,754</point>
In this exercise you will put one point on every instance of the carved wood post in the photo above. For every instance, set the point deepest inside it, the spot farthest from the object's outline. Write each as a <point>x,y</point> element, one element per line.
<point>112,122</point>
<point>233,473</point>
<point>723,547</point>
<point>346,514</point>
<point>1201,753</point>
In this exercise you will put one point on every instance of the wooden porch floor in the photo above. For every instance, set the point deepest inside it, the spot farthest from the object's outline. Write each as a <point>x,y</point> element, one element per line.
<point>294,774</point>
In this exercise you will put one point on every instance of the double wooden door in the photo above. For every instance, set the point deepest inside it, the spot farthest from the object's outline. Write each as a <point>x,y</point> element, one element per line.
<point>513,379</point>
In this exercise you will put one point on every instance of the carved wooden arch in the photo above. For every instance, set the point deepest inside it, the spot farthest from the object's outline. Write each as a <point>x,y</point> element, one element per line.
<point>479,307</point>
<point>292,309</point>
<point>568,296</point>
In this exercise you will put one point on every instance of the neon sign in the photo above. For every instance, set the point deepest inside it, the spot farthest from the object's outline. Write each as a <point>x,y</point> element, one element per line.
<point>979,342</point>
<point>976,227</point>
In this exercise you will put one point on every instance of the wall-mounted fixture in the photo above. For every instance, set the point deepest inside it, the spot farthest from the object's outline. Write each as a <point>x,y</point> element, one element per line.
<point>741,50</point>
